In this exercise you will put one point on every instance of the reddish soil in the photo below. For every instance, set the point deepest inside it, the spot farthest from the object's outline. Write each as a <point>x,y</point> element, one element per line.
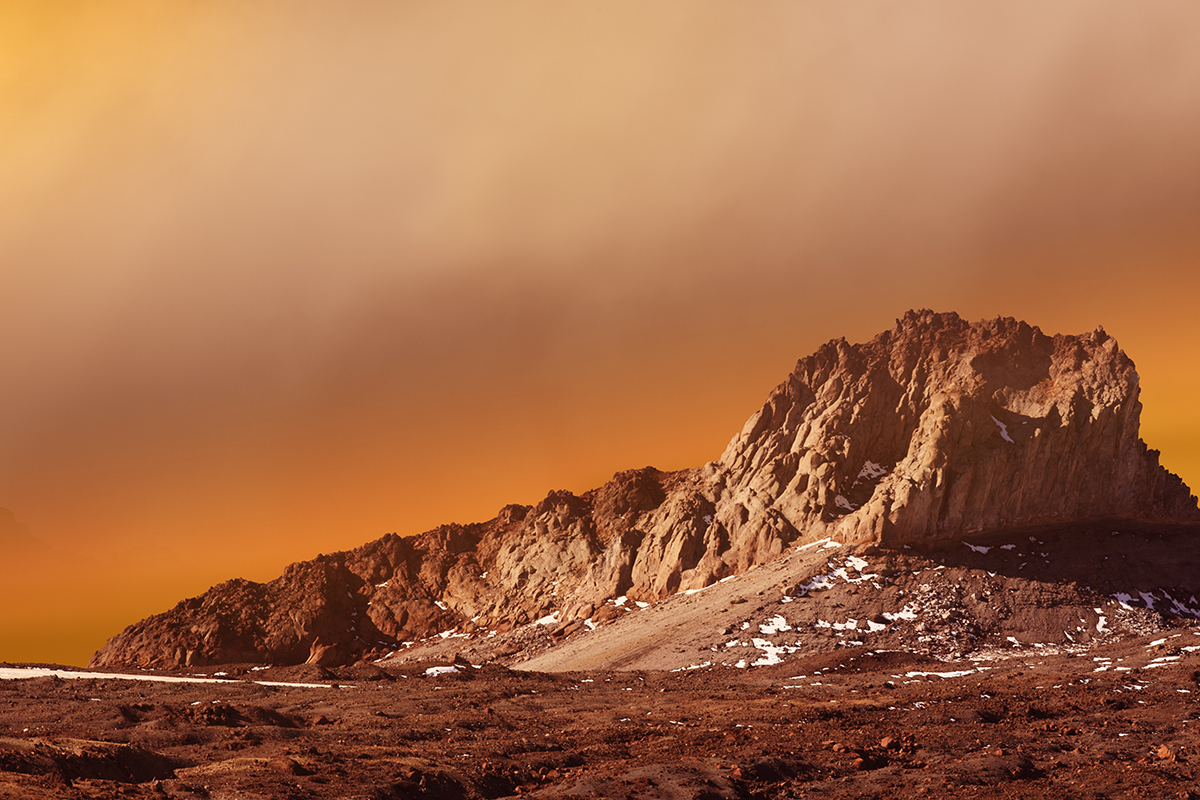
<point>1120,721</point>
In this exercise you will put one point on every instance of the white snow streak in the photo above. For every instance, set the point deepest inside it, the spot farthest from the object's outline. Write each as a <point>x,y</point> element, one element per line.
<point>18,673</point>
<point>871,470</point>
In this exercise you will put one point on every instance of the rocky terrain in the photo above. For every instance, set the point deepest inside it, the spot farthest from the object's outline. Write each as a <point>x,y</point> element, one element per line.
<point>941,563</point>
<point>1118,722</point>
<point>934,433</point>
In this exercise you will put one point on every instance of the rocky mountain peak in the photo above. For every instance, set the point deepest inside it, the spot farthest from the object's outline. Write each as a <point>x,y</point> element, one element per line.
<point>939,427</point>
<point>932,431</point>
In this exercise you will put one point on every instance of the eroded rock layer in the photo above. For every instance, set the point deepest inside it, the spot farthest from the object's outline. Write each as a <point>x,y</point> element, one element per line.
<point>934,430</point>
<point>940,427</point>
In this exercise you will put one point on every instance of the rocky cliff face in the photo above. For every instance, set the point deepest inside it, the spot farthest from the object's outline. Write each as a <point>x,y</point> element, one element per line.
<point>939,427</point>
<point>931,431</point>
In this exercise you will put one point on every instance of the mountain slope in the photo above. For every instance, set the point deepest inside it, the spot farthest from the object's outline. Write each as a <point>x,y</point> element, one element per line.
<point>935,430</point>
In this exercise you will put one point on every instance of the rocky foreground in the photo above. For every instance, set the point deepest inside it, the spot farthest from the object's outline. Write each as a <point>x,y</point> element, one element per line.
<point>936,436</point>
<point>1120,722</point>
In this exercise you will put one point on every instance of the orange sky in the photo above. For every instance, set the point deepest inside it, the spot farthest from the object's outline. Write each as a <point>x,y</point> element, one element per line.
<point>279,278</point>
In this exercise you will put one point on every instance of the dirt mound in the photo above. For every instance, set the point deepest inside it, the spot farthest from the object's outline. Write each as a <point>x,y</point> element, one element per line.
<point>296,673</point>
<point>71,759</point>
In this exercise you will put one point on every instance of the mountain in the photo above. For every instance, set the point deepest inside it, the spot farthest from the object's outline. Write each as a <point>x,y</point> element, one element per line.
<point>933,432</point>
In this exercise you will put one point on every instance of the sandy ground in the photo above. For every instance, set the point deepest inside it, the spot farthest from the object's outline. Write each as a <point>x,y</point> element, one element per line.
<point>1120,721</point>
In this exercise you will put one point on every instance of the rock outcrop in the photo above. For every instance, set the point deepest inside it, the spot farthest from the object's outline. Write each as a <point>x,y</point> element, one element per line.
<point>939,427</point>
<point>931,431</point>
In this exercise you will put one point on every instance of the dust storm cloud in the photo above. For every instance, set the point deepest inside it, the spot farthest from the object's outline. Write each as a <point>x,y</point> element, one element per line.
<point>278,279</point>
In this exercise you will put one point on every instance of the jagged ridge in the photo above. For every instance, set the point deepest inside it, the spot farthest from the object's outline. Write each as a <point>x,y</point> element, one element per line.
<point>932,430</point>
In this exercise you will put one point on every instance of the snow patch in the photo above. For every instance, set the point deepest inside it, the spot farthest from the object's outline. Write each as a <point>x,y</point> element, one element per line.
<point>908,613</point>
<point>871,471</point>
<point>859,564</point>
<point>1180,608</point>
<point>1003,430</point>
<point>953,674</point>
<point>771,652</point>
<point>1155,664</point>
<point>19,673</point>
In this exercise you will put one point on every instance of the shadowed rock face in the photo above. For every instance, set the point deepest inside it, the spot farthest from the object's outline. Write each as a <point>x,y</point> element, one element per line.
<point>933,430</point>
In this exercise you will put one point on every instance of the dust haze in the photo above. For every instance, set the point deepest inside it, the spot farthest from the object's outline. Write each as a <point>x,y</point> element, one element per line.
<point>280,280</point>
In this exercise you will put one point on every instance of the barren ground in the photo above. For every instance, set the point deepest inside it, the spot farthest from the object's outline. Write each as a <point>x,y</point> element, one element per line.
<point>1119,721</point>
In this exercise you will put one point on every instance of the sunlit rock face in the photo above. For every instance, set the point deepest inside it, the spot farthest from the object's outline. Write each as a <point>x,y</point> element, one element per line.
<point>932,431</point>
<point>940,427</point>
